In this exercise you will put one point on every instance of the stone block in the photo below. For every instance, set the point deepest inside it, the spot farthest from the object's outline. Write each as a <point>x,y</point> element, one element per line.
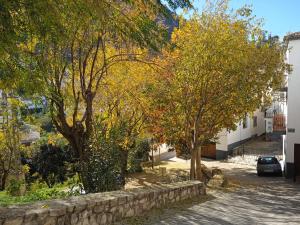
<point>129,213</point>
<point>85,221</point>
<point>14,221</point>
<point>50,221</point>
<point>74,218</point>
<point>122,200</point>
<point>80,207</point>
<point>60,220</point>
<point>109,218</point>
<point>93,220</point>
<point>113,209</point>
<point>56,212</point>
<point>103,219</point>
<point>99,209</point>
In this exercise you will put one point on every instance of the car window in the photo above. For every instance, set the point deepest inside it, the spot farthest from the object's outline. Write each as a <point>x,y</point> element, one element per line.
<point>267,160</point>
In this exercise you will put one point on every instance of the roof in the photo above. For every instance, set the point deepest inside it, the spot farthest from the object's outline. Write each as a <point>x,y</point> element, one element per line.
<point>292,36</point>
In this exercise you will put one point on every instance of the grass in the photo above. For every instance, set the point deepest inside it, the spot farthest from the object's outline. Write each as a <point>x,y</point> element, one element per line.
<point>38,192</point>
<point>33,196</point>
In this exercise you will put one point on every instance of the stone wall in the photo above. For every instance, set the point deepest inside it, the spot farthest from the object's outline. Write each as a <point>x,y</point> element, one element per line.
<point>100,208</point>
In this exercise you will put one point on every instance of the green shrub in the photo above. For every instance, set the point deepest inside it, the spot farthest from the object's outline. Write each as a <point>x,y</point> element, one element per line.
<point>37,185</point>
<point>46,193</point>
<point>39,191</point>
<point>14,187</point>
<point>51,163</point>
<point>101,170</point>
<point>138,155</point>
<point>75,185</point>
<point>101,174</point>
<point>46,123</point>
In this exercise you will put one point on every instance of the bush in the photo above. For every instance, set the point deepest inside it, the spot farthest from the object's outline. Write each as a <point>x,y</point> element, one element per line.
<point>101,174</point>
<point>37,185</point>
<point>138,155</point>
<point>51,164</point>
<point>46,123</point>
<point>46,193</point>
<point>101,170</point>
<point>36,195</point>
<point>14,187</point>
<point>182,149</point>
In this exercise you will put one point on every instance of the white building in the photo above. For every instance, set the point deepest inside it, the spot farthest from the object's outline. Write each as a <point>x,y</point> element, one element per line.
<point>291,146</point>
<point>163,152</point>
<point>251,126</point>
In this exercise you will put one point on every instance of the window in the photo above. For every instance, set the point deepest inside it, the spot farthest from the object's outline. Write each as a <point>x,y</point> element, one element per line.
<point>254,121</point>
<point>268,160</point>
<point>245,124</point>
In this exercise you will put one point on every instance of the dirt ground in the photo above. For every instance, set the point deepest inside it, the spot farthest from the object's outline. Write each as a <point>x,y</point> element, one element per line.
<point>244,166</point>
<point>239,170</point>
<point>178,170</point>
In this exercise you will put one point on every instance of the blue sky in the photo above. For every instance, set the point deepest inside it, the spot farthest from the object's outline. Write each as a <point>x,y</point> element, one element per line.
<point>280,16</point>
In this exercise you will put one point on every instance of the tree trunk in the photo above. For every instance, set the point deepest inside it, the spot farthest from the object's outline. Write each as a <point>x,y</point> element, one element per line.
<point>195,171</point>
<point>3,180</point>
<point>198,164</point>
<point>124,160</point>
<point>78,141</point>
<point>193,166</point>
<point>84,163</point>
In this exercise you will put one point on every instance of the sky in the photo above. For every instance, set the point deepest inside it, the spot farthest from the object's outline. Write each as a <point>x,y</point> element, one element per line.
<point>280,16</point>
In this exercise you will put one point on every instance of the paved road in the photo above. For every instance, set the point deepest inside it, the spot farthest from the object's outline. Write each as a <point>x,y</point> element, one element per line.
<point>259,200</point>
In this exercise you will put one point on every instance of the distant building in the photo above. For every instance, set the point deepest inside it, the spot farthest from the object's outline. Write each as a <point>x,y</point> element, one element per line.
<point>29,133</point>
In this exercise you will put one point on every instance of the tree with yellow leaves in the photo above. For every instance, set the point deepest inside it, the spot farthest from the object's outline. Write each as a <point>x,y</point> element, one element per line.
<point>68,49</point>
<point>10,146</point>
<point>220,68</point>
<point>123,104</point>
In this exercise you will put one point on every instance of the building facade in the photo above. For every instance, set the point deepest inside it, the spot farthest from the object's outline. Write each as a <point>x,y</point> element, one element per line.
<point>291,143</point>
<point>249,127</point>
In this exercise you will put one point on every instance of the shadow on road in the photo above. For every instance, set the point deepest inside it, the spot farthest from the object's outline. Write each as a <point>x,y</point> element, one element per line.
<point>268,199</point>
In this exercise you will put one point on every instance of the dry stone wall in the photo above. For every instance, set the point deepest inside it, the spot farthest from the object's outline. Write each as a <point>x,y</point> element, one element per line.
<point>100,208</point>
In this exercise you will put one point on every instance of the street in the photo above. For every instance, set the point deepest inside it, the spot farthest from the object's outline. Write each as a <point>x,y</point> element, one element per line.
<point>252,200</point>
<point>258,200</point>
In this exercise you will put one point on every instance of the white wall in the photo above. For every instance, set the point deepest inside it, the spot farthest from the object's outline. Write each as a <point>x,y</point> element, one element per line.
<point>244,133</point>
<point>222,141</point>
<point>162,153</point>
<point>226,138</point>
<point>261,128</point>
<point>293,101</point>
<point>283,147</point>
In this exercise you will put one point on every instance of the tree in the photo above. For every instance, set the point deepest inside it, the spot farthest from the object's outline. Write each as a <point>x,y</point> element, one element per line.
<point>124,103</point>
<point>219,69</point>
<point>68,59</point>
<point>10,146</point>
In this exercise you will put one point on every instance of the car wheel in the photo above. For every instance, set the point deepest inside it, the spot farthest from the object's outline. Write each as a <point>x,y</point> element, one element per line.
<point>259,174</point>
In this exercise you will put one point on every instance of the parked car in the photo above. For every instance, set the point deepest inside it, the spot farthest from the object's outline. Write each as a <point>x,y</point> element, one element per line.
<point>268,164</point>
